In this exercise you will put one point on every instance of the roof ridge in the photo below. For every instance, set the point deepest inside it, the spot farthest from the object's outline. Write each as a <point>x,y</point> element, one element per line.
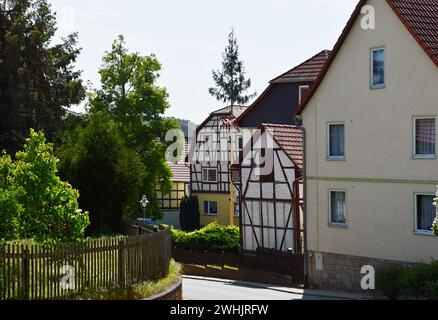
<point>326,52</point>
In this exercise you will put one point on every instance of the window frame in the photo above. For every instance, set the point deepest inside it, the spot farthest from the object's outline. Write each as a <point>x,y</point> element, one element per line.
<point>414,139</point>
<point>372,85</point>
<point>207,181</point>
<point>208,205</point>
<point>328,156</point>
<point>336,224</point>
<point>416,230</point>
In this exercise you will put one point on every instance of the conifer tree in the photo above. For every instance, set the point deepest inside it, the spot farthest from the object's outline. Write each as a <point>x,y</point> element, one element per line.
<point>230,82</point>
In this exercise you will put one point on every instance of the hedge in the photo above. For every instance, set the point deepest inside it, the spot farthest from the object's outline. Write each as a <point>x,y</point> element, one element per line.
<point>213,238</point>
<point>419,281</point>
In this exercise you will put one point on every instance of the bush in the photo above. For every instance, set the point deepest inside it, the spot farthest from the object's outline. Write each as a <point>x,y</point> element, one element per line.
<point>415,282</point>
<point>213,238</point>
<point>388,281</point>
<point>189,213</point>
<point>34,202</point>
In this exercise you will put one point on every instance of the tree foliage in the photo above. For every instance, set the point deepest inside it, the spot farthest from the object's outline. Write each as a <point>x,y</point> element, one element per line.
<point>131,98</point>
<point>230,82</point>
<point>37,79</point>
<point>109,175</point>
<point>34,202</point>
<point>189,213</point>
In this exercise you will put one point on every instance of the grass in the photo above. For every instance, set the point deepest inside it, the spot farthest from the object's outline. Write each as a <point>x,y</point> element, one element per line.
<point>137,291</point>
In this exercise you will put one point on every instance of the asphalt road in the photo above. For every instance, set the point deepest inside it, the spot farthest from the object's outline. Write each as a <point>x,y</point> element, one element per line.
<point>194,289</point>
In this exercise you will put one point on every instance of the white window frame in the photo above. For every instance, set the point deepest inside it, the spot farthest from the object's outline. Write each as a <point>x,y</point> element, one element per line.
<point>206,181</point>
<point>336,224</point>
<point>208,213</point>
<point>416,230</point>
<point>329,157</point>
<point>372,85</point>
<point>299,92</point>
<point>414,139</point>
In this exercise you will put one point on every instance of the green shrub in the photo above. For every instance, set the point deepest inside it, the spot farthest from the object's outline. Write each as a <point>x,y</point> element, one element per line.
<point>388,281</point>
<point>213,238</point>
<point>418,281</point>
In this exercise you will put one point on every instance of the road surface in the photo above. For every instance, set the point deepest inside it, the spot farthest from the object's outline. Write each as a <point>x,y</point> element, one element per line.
<point>199,289</point>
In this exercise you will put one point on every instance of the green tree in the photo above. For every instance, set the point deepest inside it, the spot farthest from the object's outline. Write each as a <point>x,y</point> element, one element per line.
<point>109,175</point>
<point>38,82</point>
<point>230,82</point>
<point>34,202</point>
<point>132,99</point>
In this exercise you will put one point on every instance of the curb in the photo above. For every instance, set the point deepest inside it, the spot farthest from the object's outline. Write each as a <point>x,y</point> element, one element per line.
<point>174,292</point>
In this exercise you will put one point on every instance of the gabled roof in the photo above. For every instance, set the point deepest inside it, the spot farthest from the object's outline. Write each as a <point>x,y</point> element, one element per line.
<point>305,72</point>
<point>290,139</point>
<point>234,111</point>
<point>420,17</point>
<point>180,170</point>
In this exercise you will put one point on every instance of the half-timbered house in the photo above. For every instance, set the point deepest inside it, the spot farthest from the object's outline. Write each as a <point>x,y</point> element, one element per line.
<point>271,201</point>
<point>210,165</point>
<point>270,193</point>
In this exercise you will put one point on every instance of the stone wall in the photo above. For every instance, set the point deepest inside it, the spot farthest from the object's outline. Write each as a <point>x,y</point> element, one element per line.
<point>340,272</point>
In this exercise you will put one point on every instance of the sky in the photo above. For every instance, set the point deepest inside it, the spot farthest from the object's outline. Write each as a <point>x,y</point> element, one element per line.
<point>189,36</point>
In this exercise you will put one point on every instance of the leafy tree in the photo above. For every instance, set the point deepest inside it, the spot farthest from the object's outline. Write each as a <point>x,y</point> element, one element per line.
<point>34,202</point>
<point>37,79</point>
<point>132,99</point>
<point>109,175</point>
<point>230,82</point>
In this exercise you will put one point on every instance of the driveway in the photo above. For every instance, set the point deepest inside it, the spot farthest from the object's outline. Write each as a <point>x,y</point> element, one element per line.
<point>201,289</point>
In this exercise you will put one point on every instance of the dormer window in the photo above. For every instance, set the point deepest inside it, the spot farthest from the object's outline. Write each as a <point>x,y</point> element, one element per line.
<point>377,68</point>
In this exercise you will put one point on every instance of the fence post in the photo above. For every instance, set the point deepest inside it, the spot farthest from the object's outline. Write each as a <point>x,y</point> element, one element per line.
<point>122,263</point>
<point>25,271</point>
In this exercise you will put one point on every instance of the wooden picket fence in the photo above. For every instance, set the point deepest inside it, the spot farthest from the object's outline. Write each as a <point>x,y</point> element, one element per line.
<point>34,272</point>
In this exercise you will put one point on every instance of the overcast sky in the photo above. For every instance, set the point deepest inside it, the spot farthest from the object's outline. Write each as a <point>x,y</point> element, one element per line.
<point>188,37</point>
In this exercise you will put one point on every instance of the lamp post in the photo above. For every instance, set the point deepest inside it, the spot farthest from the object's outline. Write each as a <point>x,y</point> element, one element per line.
<point>144,203</point>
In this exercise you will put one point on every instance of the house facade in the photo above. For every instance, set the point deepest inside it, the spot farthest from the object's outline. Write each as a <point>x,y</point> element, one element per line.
<point>170,203</point>
<point>210,160</point>
<point>270,176</point>
<point>370,145</point>
<point>270,168</point>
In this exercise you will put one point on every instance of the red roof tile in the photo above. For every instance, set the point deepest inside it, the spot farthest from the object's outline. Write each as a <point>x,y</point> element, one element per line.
<point>181,170</point>
<point>306,71</point>
<point>420,18</point>
<point>290,139</point>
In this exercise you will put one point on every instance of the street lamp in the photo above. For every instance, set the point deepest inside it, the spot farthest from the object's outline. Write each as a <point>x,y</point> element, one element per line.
<point>144,203</point>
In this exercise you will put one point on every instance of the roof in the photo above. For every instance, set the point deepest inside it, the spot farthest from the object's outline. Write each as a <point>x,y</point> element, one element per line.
<point>290,139</point>
<point>235,111</point>
<point>305,72</point>
<point>420,17</point>
<point>180,170</point>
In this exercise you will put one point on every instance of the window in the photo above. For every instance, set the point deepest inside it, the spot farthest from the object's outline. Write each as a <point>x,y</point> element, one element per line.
<point>210,207</point>
<point>425,213</point>
<point>209,175</point>
<point>337,209</point>
<point>377,68</point>
<point>336,142</point>
<point>424,137</point>
<point>236,210</point>
<point>303,92</point>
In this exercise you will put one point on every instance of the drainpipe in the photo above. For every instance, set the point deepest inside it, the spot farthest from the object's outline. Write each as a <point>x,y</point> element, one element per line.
<point>306,267</point>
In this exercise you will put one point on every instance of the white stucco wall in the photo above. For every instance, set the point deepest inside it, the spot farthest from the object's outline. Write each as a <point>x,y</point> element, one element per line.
<point>378,144</point>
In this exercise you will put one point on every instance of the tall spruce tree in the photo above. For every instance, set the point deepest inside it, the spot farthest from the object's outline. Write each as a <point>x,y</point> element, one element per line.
<point>230,82</point>
<point>38,82</point>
